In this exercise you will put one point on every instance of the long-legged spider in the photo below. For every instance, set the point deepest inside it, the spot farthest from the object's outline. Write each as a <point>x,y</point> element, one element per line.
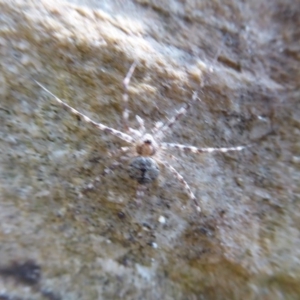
<point>146,146</point>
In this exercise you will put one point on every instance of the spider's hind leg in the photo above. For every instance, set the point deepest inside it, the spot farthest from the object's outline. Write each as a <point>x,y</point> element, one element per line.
<point>140,193</point>
<point>183,182</point>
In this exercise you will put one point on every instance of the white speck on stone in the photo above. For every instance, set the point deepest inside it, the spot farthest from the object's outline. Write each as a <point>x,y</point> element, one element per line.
<point>90,186</point>
<point>162,219</point>
<point>43,193</point>
<point>296,159</point>
<point>154,245</point>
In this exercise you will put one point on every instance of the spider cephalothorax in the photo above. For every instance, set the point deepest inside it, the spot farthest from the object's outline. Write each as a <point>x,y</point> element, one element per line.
<point>143,167</point>
<point>146,146</point>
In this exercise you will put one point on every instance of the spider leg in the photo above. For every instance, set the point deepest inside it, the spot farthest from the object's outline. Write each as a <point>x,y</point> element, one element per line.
<point>141,122</point>
<point>140,193</point>
<point>126,82</point>
<point>108,130</point>
<point>138,133</point>
<point>188,148</point>
<point>159,132</point>
<point>178,160</point>
<point>183,182</point>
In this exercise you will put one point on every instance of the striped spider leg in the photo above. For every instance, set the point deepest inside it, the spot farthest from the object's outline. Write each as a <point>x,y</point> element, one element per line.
<point>108,130</point>
<point>142,167</point>
<point>159,133</point>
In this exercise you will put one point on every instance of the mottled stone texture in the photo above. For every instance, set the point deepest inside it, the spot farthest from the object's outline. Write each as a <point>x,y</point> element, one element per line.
<point>64,235</point>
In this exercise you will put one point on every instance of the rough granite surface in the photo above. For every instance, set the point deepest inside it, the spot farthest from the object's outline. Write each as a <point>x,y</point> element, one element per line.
<point>71,229</point>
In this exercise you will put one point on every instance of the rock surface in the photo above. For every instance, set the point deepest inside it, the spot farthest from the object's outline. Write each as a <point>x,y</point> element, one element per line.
<point>70,226</point>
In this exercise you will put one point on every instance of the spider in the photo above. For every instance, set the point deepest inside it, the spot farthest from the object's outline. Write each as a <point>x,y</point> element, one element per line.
<point>143,166</point>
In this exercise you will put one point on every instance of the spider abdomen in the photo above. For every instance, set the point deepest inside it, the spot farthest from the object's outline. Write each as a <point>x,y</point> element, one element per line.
<point>143,169</point>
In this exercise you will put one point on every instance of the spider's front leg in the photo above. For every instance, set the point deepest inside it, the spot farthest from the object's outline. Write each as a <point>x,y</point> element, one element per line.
<point>193,149</point>
<point>126,82</point>
<point>108,130</point>
<point>160,131</point>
